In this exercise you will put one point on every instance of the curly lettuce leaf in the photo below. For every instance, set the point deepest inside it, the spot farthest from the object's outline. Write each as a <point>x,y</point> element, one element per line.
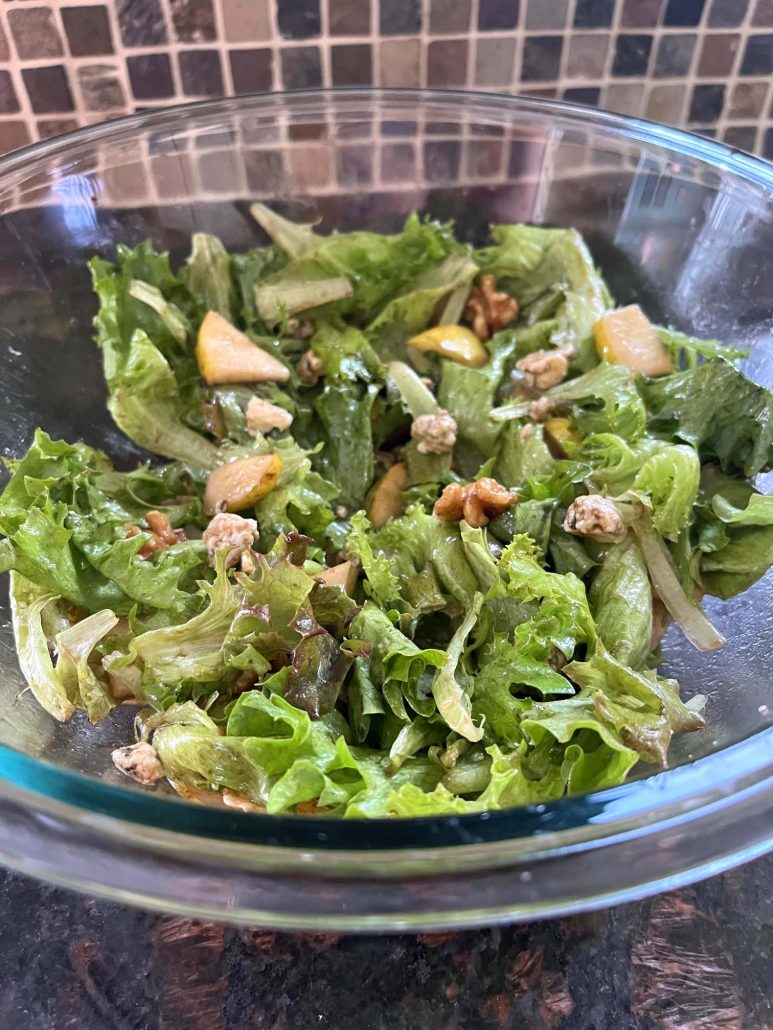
<point>621,601</point>
<point>209,276</point>
<point>74,647</point>
<point>667,483</point>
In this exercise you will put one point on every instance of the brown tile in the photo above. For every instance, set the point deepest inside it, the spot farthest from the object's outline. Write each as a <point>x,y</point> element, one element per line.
<point>246,21</point>
<point>251,70</point>
<point>718,54</point>
<point>494,61</point>
<point>48,89</point>
<point>9,102</point>
<point>666,104</point>
<point>398,162</point>
<point>48,127</point>
<point>743,137</point>
<point>124,183</point>
<point>640,14</point>
<point>172,175</point>
<point>483,158</point>
<point>34,33</point>
<point>349,17</point>
<point>5,52</point>
<point>13,135</point>
<point>624,97</point>
<point>351,64</point>
<point>303,130</point>
<point>447,16</point>
<point>100,87</point>
<point>447,62</point>
<point>544,93</point>
<point>747,99</point>
<point>220,171</point>
<point>193,20</point>
<point>88,31</point>
<point>150,76</point>
<point>301,67</point>
<point>310,166</point>
<point>546,14</point>
<point>763,14</point>
<point>400,62</point>
<point>587,55</point>
<point>354,165</point>
<point>265,171</point>
<point>201,73</point>
<point>141,22</point>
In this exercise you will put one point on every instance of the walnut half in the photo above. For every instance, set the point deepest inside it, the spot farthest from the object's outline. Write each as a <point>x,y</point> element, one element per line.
<point>597,518</point>
<point>476,503</point>
<point>488,309</point>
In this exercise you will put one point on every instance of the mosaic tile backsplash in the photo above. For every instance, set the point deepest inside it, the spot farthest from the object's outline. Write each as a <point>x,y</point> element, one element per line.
<point>704,64</point>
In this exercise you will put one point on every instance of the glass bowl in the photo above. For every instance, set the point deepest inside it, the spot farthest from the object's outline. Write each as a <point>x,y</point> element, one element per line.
<point>678,223</point>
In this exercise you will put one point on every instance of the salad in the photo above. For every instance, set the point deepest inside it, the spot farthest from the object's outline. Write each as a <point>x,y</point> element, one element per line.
<point>425,514</point>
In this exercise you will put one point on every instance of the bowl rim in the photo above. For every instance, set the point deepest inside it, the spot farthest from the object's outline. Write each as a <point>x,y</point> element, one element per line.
<point>693,785</point>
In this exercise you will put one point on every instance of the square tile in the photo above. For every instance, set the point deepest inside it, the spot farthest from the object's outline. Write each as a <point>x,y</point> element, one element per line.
<point>246,21</point>
<point>124,183</point>
<point>763,14</point>
<point>632,54</point>
<point>172,175</point>
<point>447,62</point>
<point>5,53</point>
<point>706,103</point>
<point>587,56</point>
<point>251,70</point>
<point>726,14</point>
<point>9,102</point>
<point>265,171</point>
<point>34,33</point>
<point>541,58</point>
<point>193,20</point>
<point>449,16</point>
<point>747,99</point>
<point>201,73</point>
<point>354,166</point>
<point>442,158</point>
<point>150,76</point>
<point>593,14</point>
<point>640,14</point>
<point>624,97</point>
<point>352,64</point>
<point>301,68</point>
<point>311,167</point>
<point>398,162</point>
<point>767,146</point>
<point>742,137</point>
<point>141,22</point>
<point>666,104</point>
<point>546,14</point>
<point>497,14</point>
<point>758,55</point>
<point>400,62</point>
<point>674,55</point>
<point>48,89</point>
<point>494,60</point>
<point>220,171</point>
<point>483,158</point>
<point>587,95</point>
<point>13,135</point>
<point>718,54</point>
<point>349,17</point>
<point>683,12</point>
<point>100,87</point>
<point>87,30</point>
<point>50,127</point>
<point>399,17</point>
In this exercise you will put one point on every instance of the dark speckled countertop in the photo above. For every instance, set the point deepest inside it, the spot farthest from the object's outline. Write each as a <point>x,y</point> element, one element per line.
<point>695,959</point>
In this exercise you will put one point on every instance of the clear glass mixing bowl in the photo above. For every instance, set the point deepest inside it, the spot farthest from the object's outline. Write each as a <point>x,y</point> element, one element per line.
<point>678,223</point>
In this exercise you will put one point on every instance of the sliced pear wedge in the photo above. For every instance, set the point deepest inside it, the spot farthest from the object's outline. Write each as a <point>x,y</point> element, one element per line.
<point>240,484</point>
<point>227,355</point>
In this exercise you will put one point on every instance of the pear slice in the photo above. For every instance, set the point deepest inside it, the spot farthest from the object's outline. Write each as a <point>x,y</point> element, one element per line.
<point>343,575</point>
<point>226,355</point>
<point>385,501</point>
<point>240,484</point>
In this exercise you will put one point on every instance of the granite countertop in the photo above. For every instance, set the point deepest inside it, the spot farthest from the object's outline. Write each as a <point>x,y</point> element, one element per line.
<point>694,959</point>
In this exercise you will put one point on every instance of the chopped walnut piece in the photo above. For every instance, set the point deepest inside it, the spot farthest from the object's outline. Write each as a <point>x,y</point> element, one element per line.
<point>161,534</point>
<point>434,434</point>
<point>541,409</point>
<point>310,368</point>
<point>232,531</point>
<point>263,416</point>
<point>476,502</point>
<point>489,309</point>
<point>140,762</point>
<point>543,368</point>
<point>597,518</point>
